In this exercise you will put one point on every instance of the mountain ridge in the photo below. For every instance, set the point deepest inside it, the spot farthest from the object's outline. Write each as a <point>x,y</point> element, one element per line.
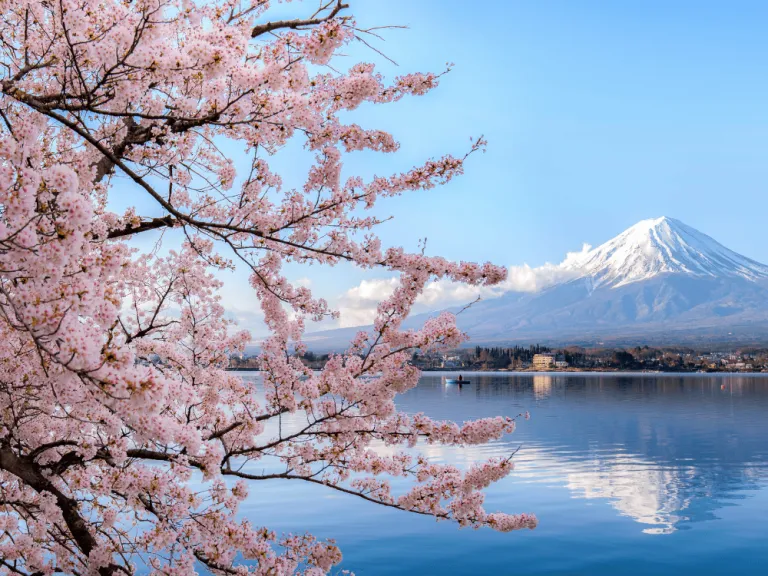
<point>657,281</point>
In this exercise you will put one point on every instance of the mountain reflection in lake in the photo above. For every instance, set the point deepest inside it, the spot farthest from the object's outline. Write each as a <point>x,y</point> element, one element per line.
<point>629,474</point>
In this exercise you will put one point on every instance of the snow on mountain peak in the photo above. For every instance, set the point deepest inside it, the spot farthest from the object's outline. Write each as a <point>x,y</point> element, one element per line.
<point>661,246</point>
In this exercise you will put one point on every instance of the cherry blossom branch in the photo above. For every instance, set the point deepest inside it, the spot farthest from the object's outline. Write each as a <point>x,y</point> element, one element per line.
<point>294,24</point>
<point>114,387</point>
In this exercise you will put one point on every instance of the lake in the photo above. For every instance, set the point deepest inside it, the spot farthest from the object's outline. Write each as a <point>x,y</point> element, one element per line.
<point>627,473</point>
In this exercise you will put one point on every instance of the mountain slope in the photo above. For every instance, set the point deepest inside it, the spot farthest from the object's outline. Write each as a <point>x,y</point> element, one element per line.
<point>663,246</point>
<point>659,281</point>
<point>667,302</point>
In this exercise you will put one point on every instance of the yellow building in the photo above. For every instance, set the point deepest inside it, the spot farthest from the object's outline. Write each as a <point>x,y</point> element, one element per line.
<point>543,361</point>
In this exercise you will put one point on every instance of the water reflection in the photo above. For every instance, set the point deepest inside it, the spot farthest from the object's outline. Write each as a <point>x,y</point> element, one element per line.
<point>636,488</point>
<point>665,451</point>
<point>605,461</point>
<point>542,386</point>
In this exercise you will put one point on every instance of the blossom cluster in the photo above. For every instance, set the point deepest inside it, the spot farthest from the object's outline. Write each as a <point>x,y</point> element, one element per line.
<point>125,444</point>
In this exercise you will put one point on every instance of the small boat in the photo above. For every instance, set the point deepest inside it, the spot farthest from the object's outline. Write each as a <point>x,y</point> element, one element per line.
<point>456,381</point>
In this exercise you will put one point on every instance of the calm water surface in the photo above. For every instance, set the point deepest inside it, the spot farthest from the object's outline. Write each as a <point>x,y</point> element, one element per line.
<point>628,474</point>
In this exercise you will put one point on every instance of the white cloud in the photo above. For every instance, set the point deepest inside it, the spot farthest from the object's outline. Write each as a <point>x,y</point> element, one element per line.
<point>526,279</point>
<point>358,304</point>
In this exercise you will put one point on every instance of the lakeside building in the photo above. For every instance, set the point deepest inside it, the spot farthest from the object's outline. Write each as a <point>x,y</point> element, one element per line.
<point>543,361</point>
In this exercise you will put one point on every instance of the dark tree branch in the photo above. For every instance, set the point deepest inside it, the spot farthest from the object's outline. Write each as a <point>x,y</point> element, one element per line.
<point>30,473</point>
<point>298,22</point>
<point>153,224</point>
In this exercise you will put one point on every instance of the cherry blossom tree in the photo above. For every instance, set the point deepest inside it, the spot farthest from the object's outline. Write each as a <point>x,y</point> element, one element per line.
<point>125,444</point>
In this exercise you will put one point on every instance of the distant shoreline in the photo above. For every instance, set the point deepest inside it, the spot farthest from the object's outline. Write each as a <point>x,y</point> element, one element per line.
<point>594,370</point>
<point>570,371</point>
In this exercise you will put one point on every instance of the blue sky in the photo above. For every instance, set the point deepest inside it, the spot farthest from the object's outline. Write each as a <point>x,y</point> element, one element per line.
<point>598,114</point>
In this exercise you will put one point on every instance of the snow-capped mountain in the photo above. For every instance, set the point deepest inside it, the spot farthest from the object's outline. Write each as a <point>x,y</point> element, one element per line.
<point>662,246</point>
<point>659,281</point>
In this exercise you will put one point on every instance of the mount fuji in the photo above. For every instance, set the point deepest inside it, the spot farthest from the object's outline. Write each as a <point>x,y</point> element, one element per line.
<point>658,282</point>
<point>662,246</point>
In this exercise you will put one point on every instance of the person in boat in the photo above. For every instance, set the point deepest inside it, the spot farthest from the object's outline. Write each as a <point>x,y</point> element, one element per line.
<point>461,378</point>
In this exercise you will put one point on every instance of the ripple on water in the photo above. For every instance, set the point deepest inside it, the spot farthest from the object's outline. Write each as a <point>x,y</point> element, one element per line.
<point>630,474</point>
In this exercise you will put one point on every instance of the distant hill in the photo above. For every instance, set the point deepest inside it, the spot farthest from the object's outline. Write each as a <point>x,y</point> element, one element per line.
<point>659,282</point>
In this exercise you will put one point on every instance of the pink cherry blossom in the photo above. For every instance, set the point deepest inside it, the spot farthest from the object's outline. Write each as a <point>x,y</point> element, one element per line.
<point>125,443</point>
